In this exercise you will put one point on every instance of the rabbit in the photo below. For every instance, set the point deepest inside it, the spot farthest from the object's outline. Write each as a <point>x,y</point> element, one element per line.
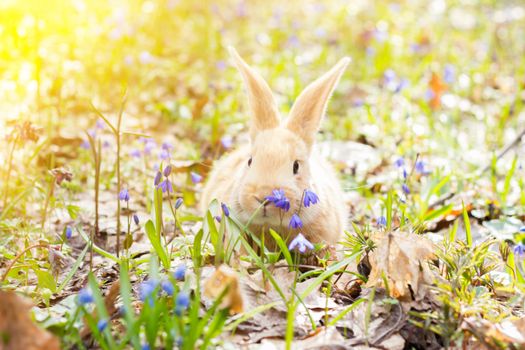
<point>282,155</point>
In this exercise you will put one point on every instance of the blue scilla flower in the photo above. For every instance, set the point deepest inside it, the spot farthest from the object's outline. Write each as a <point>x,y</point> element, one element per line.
<point>166,186</point>
<point>449,73</point>
<point>180,272</point>
<point>178,203</point>
<point>181,302</point>
<point>164,154</point>
<point>295,221</point>
<point>406,189</point>
<point>399,162</point>
<point>167,171</point>
<point>124,195</point>
<point>301,243</point>
<point>310,198</point>
<point>158,178</point>
<point>519,249</point>
<point>278,198</point>
<point>135,153</point>
<point>225,209</point>
<point>195,178</point>
<point>167,146</point>
<point>85,296</point>
<point>421,168</point>
<point>102,324</point>
<point>146,290</point>
<point>136,219</point>
<point>167,287</point>
<point>381,221</point>
<point>69,232</point>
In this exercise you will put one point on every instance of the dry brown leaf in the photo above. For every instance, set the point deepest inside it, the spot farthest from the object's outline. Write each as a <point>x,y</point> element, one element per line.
<point>400,258</point>
<point>17,330</point>
<point>225,277</point>
<point>506,332</point>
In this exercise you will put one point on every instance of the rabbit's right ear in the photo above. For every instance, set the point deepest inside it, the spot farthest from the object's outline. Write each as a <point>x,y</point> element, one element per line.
<point>260,97</point>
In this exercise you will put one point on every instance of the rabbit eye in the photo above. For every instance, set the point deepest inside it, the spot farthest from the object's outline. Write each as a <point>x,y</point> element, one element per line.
<point>250,161</point>
<point>295,167</point>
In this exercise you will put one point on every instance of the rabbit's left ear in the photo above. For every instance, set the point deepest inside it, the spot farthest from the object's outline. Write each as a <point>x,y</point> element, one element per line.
<point>308,110</point>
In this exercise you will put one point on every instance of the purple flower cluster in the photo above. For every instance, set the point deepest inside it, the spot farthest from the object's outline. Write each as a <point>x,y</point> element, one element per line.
<point>165,185</point>
<point>278,198</point>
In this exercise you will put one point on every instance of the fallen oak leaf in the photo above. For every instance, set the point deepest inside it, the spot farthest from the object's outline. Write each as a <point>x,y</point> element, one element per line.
<point>17,330</point>
<point>399,259</point>
<point>224,277</point>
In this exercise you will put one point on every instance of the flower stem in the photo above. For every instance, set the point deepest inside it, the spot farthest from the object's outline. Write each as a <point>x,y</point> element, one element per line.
<point>9,167</point>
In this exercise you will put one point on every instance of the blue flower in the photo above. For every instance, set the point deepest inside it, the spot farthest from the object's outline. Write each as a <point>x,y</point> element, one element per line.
<point>421,168</point>
<point>389,76</point>
<point>124,195</point>
<point>301,243</point>
<point>449,73</point>
<point>164,154</point>
<point>146,289</point>
<point>522,229</point>
<point>225,209</point>
<point>279,199</point>
<point>195,178</point>
<point>227,142</point>
<point>405,188</point>
<point>69,232</point>
<point>178,203</point>
<point>402,85</point>
<point>220,65</point>
<point>399,162</point>
<point>180,272</point>
<point>102,324</point>
<point>145,346</point>
<point>149,144</point>
<point>310,198</point>
<point>135,153</point>
<point>100,124</point>
<point>158,177</point>
<point>181,302</point>
<point>167,286</point>
<point>295,222</point>
<point>167,146</point>
<point>218,218</point>
<point>136,219</point>
<point>85,144</point>
<point>405,175</point>
<point>167,171</point>
<point>85,296</point>
<point>166,186</point>
<point>381,221</point>
<point>519,249</point>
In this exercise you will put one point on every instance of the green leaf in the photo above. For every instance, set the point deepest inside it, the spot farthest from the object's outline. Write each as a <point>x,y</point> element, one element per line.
<point>284,249</point>
<point>468,232</point>
<point>73,269</point>
<point>154,238</point>
<point>45,279</point>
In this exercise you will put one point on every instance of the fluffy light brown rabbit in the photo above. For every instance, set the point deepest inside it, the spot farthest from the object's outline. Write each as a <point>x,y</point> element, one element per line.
<point>282,155</point>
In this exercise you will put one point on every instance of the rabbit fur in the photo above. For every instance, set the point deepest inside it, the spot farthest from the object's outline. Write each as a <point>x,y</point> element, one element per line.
<point>246,176</point>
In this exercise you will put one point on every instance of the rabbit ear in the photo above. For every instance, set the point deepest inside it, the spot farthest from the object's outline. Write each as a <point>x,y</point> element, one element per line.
<point>260,97</point>
<point>309,108</point>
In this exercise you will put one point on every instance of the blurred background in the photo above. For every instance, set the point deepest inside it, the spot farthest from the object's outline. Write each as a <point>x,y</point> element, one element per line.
<point>443,79</point>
